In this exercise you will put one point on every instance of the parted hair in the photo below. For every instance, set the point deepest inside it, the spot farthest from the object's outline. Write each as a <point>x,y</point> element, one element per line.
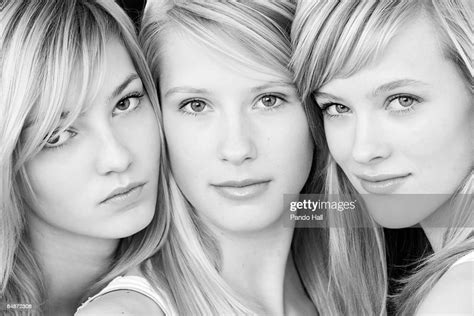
<point>190,259</point>
<point>335,39</point>
<point>48,48</point>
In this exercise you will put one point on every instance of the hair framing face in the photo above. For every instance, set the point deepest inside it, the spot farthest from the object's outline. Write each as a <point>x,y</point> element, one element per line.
<point>323,52</point>
<point>261,28</point>
<point>46,48</point>
<point>334,39</point>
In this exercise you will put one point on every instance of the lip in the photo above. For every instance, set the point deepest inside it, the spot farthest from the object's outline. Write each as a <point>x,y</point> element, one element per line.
<point>242,189</point>
<point>382,183</point>
<point>126,194</point>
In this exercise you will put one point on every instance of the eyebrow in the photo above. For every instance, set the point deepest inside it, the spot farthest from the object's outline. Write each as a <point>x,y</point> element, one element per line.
<point>64,115</point>
<point>386,87</point>
<point>123,85</point>
<point>273,84</point>
<point>114,94</point>
<point>319,94</point>
<point>389,86</point>
<point>188,89</point>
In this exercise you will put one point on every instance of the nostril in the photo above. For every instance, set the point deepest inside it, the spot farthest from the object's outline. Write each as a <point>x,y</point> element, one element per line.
<point>237,151</point>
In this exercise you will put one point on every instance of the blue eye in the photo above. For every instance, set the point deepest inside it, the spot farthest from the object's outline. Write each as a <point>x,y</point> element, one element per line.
<point>128,104</point>
<point>59,139</point>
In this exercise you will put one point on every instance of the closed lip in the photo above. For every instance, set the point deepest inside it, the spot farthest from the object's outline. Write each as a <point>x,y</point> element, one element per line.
<point>240,183</point>
<point>382,177</point>
<point>242,190</point>
<point>382,183</point>
<point>123,190</point>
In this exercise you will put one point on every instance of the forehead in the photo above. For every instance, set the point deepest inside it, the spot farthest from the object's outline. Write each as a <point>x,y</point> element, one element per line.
<point>110,72</point>
<point>184,59</point>
<point>415,52</point>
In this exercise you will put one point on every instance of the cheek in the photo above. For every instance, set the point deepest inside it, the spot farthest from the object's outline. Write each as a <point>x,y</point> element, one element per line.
<point>442,148</point>
<point>142,135</point>
<point>292,150</point>
<point>187,154</point>
<point>437,132</point>
<point>56,180</point>
<point>339,139</point>
<point>186,158</point>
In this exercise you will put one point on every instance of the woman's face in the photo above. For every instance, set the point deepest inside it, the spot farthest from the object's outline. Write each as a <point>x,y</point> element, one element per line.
<point>403,125</point>
<point>238,138</point>
<point>99,177</point>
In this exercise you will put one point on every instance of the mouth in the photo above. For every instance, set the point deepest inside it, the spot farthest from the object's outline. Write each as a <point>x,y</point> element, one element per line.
<point>242,190</point>
<point>127,193</point>
<point>382,183</point>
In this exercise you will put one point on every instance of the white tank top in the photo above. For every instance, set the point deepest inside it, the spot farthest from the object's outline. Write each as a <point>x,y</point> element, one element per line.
<point>467,258</point>
<point>132,283</point>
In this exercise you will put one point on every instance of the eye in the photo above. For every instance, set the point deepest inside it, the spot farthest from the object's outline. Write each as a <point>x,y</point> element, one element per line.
<point>269,101</point>
<point>400,103</point>
<point>59,139</point>
<point>334,109</point>
<point>128,104</point>
<point>194,106</point>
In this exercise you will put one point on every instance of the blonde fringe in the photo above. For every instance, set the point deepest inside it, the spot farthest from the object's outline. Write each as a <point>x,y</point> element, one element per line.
<point>40,45</point>
<point>330,41</point>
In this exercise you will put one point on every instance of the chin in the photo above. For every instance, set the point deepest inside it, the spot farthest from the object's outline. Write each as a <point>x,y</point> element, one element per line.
<point>249,221</point>
<point>392,217</point>
<point>402,210</point>
<point>135,220</point>
<point>394,223</point>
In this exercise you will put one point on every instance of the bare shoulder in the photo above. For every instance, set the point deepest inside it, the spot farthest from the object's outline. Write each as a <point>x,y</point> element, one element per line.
<point>453,293</point>
<point>122,302</point>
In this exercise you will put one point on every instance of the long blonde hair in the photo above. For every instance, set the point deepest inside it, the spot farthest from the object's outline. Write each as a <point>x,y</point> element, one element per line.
<point>44,47</point>
<point>334,39</point>
<point>190,259</point>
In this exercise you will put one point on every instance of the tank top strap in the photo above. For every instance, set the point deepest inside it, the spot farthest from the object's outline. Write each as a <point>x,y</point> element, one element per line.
<point>132,283</point>
<point>467,258</point>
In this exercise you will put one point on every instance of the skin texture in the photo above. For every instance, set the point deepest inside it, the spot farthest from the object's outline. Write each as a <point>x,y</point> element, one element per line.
<point>420,128</point>
<point>225,121</point>
<point>126,303</point>
<point>115,143</point>
<point>234,136</point>
<point>75,235</point>
<point>452,294</point>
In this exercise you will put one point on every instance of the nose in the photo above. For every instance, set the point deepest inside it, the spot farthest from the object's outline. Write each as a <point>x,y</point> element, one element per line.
<point>113,154</point>
<point>371,140</point>
<point>236,144</point>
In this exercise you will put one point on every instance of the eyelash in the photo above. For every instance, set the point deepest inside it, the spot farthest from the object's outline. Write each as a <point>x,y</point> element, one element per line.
<point>279,97</point>
<point>186,102</point>
<point>409,109</point>
<point>324,108</point>
<point>259,98</point>
<point>131,95</point>
<point>63,144</point>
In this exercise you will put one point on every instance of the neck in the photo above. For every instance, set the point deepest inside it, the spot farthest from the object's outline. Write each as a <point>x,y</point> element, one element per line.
<point>260,266</point>
<point>436,225</point>
<point>70,263</point>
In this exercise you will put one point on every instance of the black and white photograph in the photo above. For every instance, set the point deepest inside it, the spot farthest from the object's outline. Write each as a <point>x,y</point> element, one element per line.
<point>236,157</point>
